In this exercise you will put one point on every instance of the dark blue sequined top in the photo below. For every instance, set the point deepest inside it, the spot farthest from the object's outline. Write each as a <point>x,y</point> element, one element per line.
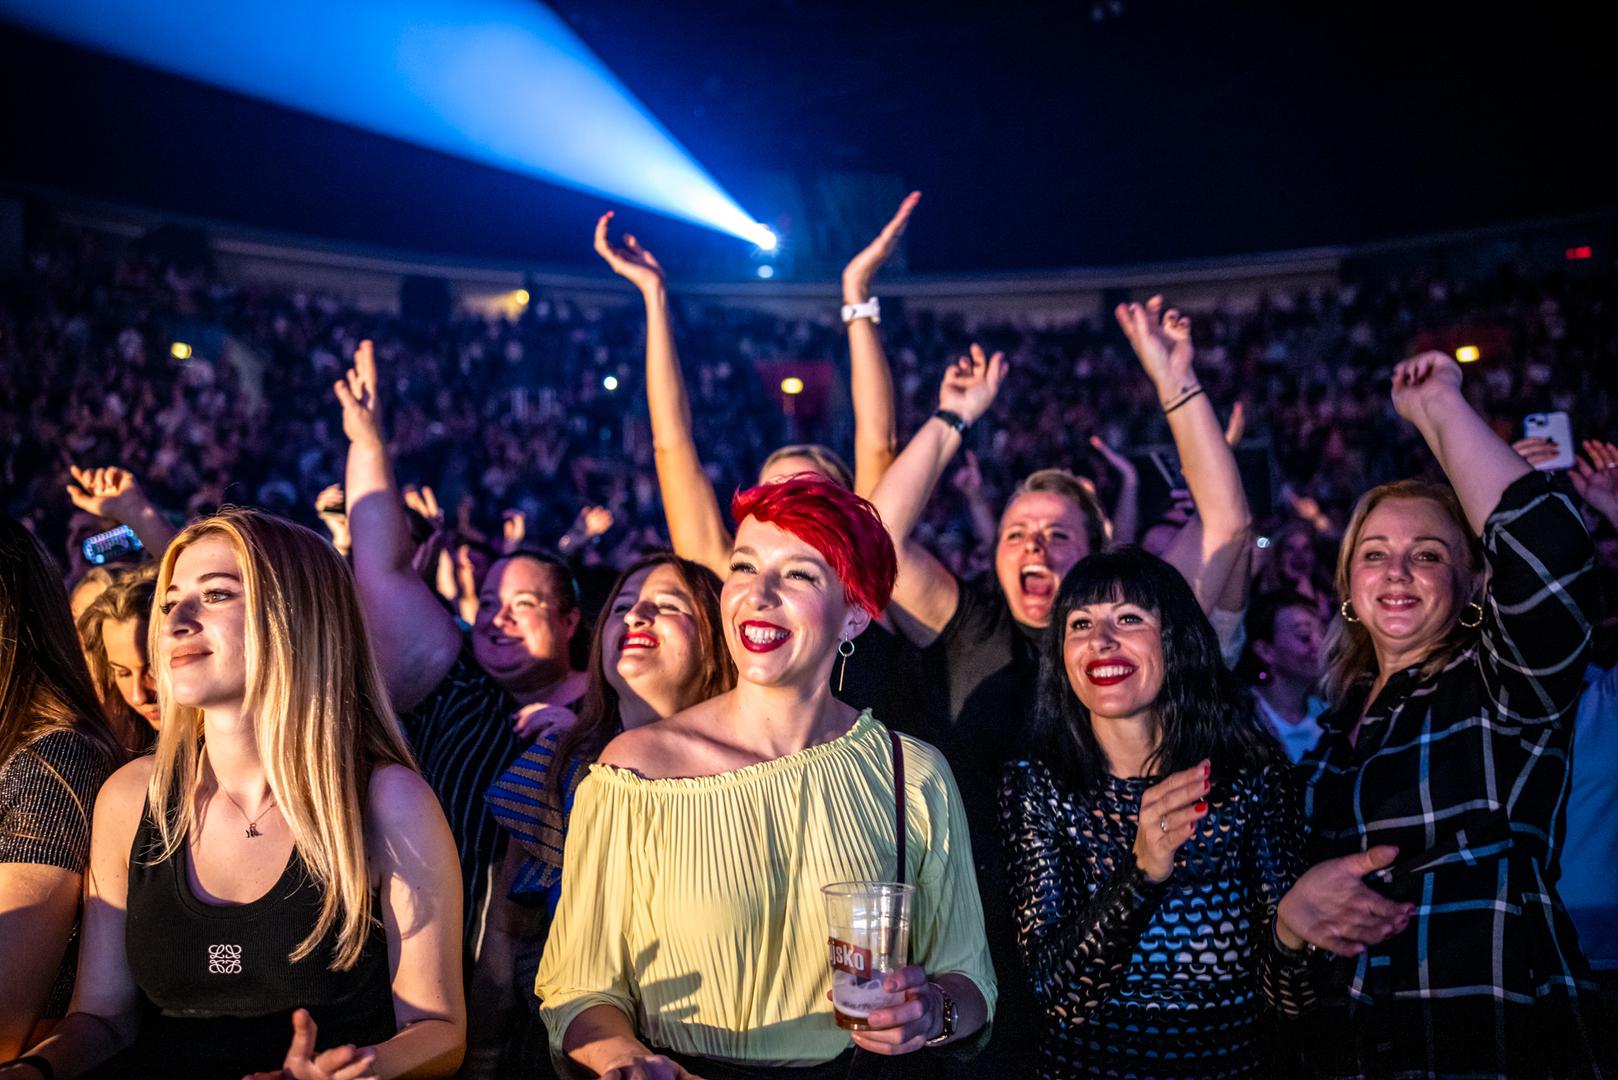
<point>1139,979</point>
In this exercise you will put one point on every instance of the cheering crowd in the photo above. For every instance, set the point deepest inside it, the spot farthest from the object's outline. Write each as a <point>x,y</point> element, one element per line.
<point>553,779</point>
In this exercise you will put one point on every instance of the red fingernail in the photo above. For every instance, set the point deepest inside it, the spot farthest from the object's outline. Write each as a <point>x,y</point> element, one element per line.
<point>1207,768</point>
<point>1201,807</point>
<point>1207,784</point>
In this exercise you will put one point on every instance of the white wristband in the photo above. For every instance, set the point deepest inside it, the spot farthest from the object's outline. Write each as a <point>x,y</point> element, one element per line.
<point>870,309</point>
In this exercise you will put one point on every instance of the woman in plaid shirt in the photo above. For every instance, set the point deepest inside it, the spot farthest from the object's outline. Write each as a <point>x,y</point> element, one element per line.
<point>1433,797</point>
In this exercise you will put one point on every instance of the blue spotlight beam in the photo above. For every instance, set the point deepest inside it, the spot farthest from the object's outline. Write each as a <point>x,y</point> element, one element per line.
<point>501,82</point>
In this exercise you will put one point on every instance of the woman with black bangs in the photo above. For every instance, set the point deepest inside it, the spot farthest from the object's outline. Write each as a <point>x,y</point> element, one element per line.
<point>1149,839</point>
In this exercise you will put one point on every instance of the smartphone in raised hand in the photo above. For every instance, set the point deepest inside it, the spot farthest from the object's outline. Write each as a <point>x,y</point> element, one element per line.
<point>112,544</point>
<point>1555,428</point>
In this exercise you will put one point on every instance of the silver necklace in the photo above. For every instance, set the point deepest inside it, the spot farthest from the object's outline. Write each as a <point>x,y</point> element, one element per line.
<point>252,823</point>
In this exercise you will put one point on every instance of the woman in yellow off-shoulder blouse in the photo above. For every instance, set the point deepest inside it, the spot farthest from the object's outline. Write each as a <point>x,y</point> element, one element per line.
<point>691,936</point>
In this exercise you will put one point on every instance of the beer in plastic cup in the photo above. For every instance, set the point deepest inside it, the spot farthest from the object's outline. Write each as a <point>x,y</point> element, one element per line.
<point>870,938</point>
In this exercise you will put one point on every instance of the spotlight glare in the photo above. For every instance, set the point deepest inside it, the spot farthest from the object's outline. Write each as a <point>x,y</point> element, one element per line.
<point>1467,354</point>
<point>610,382</point>
<point>522,297</point>
<point>791,385</point>
<point>180,351</point>
<point>766,239</point>
<point>506,83</point>
<point>766,271</point>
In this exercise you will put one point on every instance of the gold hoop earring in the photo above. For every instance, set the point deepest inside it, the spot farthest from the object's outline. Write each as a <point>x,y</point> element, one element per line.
<point>845,653</point>
<point>1347,612</point>
<point>1477,619</point>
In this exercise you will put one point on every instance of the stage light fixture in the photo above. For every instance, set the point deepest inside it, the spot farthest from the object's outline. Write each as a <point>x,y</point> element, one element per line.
<point>766,271</point>
<point>522,297</point>
<point>766,238</point>
<point>1467,354</point>
<point>499,82</point>
<point>180,351</point>
<point>792,385</point>
<point>610,383</point>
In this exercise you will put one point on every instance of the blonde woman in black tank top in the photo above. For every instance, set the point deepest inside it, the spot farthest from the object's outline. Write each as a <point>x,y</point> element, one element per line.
<point>253,883</point>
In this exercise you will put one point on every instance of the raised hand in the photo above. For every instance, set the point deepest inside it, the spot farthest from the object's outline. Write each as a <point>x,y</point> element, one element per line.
<point>971,383</point>
<point>302,1063</point>
<point>630,261</point>
<point>357,393</point>
<point>424,502</point>
<point>1332,908</point>
<point>109,492</point>
<point>1169,813</point>
<point>861,270</point>
<point>331,505</point>
<point>513,529</point>
<point>596,520</point>
<point>1595,476</point>
<point>1422,379</point>
<point>1120,463</point>
<point>540,719</point>
<point>968,479</point>
<point>1162,341</point>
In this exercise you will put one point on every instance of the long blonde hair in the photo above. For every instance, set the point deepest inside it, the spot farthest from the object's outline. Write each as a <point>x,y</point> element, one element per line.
<point>1350,654</point>
<point>321,714</point>
<point>127,597</point>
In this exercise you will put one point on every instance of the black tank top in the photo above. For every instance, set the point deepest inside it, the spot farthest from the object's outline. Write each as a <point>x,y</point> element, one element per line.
<point>218,989</point>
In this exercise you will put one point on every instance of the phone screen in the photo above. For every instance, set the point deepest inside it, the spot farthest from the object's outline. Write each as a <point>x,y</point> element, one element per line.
<point>112,544</point>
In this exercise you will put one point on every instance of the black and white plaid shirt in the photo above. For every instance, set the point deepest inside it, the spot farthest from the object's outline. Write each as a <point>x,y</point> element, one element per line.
<point>1465,772</point>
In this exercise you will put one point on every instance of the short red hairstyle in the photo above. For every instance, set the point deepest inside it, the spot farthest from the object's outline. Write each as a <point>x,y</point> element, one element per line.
<point>844,528</point>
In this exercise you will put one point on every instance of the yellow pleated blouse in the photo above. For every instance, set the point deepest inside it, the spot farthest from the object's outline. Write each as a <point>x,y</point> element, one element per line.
<point>694,905</point>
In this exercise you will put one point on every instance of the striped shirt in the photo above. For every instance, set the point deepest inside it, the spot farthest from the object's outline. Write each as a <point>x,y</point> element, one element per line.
<point>463,738</point>
<point>1465,772</point>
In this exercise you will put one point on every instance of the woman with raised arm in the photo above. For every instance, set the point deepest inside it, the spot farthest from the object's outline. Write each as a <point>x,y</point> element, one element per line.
<point>274,888</point>
<point>658,648</point>
<point>1148,839</point>
<point>884,677</point>
<point>56,748</point>
<point>985,661</point>
<point>459,696</point>
<point>1433,797</point>
<point>691,936</point>
<point>114,631</point>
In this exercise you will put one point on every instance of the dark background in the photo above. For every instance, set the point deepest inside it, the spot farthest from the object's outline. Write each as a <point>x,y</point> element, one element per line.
<point>1042,135</point>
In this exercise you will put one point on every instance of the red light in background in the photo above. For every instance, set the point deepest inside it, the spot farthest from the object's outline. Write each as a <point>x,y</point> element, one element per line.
<point>1580,252</point>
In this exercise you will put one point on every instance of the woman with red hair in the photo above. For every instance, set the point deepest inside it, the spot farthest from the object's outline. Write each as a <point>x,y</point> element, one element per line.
<point>691,935</point>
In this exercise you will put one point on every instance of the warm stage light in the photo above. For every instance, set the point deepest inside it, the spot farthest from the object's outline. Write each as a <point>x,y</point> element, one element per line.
<point>792,385</point>
<point>1467,354</point>
<point>521,296</point>
<point>500,82</point>
<point>180,351</point>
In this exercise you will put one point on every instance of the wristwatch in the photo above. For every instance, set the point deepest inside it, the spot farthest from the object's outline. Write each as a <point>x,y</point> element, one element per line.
<point>870,309</point>
<point>954,420</point>
<point>946,1029</point>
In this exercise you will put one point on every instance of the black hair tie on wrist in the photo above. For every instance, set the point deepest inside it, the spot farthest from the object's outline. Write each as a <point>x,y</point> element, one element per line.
<point>1182,401</point>
<point>954,420</point>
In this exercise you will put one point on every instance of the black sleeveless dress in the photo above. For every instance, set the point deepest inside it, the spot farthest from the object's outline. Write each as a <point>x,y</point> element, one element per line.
<point>218,991</point>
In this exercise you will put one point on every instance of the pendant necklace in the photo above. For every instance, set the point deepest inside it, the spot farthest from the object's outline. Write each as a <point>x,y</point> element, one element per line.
<point>252,823</point>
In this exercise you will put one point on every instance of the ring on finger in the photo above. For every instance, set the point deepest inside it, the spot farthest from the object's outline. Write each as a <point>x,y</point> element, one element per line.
<point>1163,823</point>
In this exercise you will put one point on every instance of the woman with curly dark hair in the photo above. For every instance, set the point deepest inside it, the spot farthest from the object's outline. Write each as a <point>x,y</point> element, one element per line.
<point>1149,837</point>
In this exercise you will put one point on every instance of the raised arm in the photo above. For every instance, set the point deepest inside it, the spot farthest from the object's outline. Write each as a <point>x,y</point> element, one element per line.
<point>696,526</point>
<point>1478,463</point>
<point>1162,341</point>
<point>414,635</point>
<point>1126,510</point>
<point>115,493</point>
<point>876,436</point>
<point>926,593</point>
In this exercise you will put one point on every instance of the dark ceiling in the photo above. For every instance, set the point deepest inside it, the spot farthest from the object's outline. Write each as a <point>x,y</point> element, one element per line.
<point>1040,135</point>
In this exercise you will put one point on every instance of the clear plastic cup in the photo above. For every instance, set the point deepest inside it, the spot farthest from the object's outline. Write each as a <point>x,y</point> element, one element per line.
<point>870,937</point>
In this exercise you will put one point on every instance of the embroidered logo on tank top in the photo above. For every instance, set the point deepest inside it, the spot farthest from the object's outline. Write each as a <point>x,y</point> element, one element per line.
<point>224,959</point>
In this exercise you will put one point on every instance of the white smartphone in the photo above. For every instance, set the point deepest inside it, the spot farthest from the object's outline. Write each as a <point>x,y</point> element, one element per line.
<point>1555,427</point>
